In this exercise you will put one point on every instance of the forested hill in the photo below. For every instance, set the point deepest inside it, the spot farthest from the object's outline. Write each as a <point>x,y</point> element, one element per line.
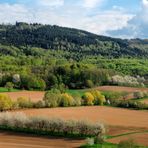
<point>71,40</point>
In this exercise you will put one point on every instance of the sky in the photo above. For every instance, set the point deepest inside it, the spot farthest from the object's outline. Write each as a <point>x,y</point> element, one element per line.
<point>116,18</point>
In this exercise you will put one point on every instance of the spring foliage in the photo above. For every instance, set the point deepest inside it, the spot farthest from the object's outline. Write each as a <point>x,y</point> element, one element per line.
<point>5,102</point>
<point>20,121</point>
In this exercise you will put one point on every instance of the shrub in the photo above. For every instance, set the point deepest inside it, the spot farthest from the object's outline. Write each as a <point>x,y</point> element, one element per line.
<point>19,121</point>
<point>16,78</point>
<point>112,95</point>
<point>129,104</point>
<point>127,80</point>
<point>39,104</point>
<point>127,144</point>
<point>138,95</point>
<point>88,99</point>
<point>145,93</point>
<point>9,86</point>
<point>90,141</point>
<point>89,84</point>
<point>99,99</point>
<point>52,98</point>
<point>77,101</point>
<point>5,102</point>
<point>66,100</point>
<point>24,102</point>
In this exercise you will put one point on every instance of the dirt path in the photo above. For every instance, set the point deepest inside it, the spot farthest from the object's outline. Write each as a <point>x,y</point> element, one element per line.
<point>11,140</point>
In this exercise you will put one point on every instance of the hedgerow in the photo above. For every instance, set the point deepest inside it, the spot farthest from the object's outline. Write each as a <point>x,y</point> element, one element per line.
<point>21,122</point>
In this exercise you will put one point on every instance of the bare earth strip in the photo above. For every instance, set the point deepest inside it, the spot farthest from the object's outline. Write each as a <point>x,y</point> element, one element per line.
<point>108,115</point>
<point>33,95</point>
<point>10,140</point>
<point>121,89</point>
<point>119,121</point>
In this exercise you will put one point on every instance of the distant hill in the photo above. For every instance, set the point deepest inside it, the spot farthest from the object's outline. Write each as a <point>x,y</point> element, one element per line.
<point>69,39</point>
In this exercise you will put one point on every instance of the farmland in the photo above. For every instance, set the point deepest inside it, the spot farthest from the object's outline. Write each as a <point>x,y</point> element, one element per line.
<point>60,86</point>
<point>38,95</point>
<point>121,124</point>
<point>13,140</point>
<point>119,121</point>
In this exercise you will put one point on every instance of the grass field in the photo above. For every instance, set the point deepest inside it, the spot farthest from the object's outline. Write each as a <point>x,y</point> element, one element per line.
<point>78,92</point>
<point>3,89</point>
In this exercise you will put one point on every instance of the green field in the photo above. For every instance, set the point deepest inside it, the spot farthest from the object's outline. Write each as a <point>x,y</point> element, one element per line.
<point>75,92</point>
<point>3,89</point>
<point>104,145</point>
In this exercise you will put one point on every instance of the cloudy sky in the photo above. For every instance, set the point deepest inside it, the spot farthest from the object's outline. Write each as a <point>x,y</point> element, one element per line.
<point>117,18</point>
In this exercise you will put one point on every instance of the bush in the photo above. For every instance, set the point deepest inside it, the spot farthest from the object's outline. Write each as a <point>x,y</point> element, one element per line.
<point>113,95</point>
<point>5,102</point>
<point>52,98</point>
<point>24,102</point>
<point>99,99</point>
<point>19,121</point>
<point>127,144</point>
<point>127,81</point>
<point>66,100</point>
<point>88,99</point>
<point>138,95</point>
<point>90,141</point>
<point>39,104</point>
<point>129,104</point>
<point>77,101</point>
<point>9,86</point>
<point>89,84</point>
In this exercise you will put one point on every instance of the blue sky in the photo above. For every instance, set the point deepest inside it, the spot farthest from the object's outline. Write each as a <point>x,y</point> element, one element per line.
<point>117,18</point>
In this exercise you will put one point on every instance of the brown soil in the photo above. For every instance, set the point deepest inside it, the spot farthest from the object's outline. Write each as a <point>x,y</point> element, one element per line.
<point>140,139</point>
<point>108,115</point>
<point>121,89</point>
<point>117,130</point>
<point>118,121</point>
<point>11,140</point>
<point>145,101</point>
<point>33,95</point>
<point>38,95</point>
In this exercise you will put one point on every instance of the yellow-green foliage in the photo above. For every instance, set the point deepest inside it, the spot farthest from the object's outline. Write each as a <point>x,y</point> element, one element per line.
<point>24,102</point>
<point>88,99</point>
<point>66,100</point>
<point>5,102</point>
<point>99,99</point>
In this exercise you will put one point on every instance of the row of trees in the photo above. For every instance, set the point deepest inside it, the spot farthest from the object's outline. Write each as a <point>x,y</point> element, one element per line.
<point>41,125</point>
<point>70,76</point>
<point>53,98</point>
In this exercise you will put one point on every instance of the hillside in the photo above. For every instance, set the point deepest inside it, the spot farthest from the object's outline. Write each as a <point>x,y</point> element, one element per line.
<point>42,56</point>
<point>70,40</point>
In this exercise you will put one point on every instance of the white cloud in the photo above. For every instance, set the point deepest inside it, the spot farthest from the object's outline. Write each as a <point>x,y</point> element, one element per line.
<point>92,3</point>
<point>12,13</point>
<point>74,16</point>
<point>137,27</point>
<point>50,2</point>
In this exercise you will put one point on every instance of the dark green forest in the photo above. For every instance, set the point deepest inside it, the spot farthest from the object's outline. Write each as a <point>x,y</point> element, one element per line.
<point>36,56</point>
